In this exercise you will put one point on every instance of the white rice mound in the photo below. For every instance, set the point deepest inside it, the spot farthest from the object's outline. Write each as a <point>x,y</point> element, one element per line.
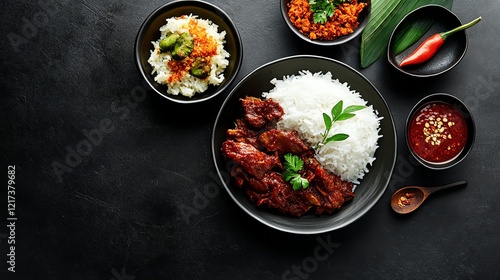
<point>305,97</point>
<point>188,84</point>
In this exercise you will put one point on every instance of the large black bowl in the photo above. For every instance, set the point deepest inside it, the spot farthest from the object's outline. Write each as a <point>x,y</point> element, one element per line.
<point>149,31</point>
<point>373,185</point>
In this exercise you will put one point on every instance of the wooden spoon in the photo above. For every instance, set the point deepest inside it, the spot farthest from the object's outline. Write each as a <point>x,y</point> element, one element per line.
<point>408,199</point>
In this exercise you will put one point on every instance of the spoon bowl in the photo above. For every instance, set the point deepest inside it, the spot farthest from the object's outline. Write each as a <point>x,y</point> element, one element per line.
<point>408,199</point>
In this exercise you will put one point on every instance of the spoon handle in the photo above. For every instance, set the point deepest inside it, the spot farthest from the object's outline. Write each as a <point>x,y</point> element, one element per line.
<point>447,186</point>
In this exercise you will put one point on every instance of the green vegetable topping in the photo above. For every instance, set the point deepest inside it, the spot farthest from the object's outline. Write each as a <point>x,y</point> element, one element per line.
<point>168,42</point>
<point>323,9</point>
<point>293,164</point>
<point>200,68</point>
<point>183,46</point>
<point>337,114</point>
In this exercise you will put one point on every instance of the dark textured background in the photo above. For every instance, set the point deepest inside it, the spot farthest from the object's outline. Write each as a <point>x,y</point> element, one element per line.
<point>118,214</point>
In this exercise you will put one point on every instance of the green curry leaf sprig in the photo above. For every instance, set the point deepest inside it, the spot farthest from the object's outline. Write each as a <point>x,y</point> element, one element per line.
<point>324,9</point>
<point>293,164</point>
<point>337,114</point>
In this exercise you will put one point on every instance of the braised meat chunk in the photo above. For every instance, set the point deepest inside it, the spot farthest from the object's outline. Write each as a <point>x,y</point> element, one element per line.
<point>281,141</point>
<point>279,195</point>
<point>330,192</point>
<point>243,132</point>
<point>251,160</point>
<point>259,112</point>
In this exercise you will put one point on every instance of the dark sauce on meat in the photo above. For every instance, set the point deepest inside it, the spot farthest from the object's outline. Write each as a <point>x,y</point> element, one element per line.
<point>257,147</point>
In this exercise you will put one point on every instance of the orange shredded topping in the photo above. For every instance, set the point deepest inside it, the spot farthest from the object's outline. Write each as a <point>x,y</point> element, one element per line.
<point>343,22</point>
<point>204,47</point>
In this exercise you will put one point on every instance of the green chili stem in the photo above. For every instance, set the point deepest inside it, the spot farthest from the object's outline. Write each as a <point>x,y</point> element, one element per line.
<point>445,35</point>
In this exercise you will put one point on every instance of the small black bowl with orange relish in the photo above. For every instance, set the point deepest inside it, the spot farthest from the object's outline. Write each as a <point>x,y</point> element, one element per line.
<point>440,131</point>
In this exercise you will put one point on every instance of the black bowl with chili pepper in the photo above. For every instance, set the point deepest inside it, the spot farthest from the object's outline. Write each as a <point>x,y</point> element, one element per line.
<point>450,53</point>
<point>440,131</point>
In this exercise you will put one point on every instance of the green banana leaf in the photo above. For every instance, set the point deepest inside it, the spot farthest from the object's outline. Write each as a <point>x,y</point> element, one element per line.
<point>410,33</point>
<point>385,16</point>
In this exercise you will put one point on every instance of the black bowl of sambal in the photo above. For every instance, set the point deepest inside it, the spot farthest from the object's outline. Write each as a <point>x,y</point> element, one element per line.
<point>440,131</point>
<point>326,26</point>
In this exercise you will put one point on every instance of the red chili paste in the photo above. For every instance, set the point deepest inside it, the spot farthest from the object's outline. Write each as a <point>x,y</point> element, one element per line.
<point>437,132</point>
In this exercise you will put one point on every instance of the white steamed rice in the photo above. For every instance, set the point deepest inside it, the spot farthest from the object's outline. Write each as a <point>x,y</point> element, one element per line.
<point>188,84</point>
<point>305,97</point>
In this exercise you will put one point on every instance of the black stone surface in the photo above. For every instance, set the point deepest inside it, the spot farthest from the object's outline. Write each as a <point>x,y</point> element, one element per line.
<point>143,202</point>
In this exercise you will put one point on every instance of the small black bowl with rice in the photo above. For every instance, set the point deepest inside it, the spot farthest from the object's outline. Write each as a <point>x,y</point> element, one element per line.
<point>209,40</point>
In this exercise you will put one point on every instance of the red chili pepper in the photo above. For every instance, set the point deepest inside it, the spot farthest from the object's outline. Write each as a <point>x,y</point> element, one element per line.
<point>431,45</point>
